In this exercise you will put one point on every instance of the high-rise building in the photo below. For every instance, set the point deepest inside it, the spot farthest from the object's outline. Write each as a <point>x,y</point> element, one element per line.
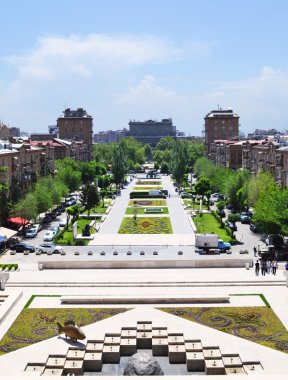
<point>220,125</point>
<point>76,125</point>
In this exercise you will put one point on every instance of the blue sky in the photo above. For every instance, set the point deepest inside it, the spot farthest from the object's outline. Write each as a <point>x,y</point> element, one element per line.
<point>127,60</point>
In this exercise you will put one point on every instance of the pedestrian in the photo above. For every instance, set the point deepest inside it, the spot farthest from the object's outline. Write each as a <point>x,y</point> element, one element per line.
<point>286,265</point>
<point>274,266</point>
<point>255,251</point>
<point>268,266</point>
<point>263,267</point>
<point>257,267</point>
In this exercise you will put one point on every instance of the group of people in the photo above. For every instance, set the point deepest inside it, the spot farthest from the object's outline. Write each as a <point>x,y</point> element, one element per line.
<point>266,267</point>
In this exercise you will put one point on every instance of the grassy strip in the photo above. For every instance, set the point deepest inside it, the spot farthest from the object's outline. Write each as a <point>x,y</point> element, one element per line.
<point>9,266</point>
<point>207,224</point>
<point>144,225</point>
<point>141,211</point>
<point>35,325</point>
<point>257,324</point>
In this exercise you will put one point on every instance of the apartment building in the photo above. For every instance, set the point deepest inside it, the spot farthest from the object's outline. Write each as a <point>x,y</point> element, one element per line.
<point>220,125</point>
<point>76,125</point>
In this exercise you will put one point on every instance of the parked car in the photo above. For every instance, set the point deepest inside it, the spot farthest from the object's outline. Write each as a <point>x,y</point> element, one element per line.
<point>221,213</point>
<point>232,226</point>
<point>21,247</point>
<point>70,202</point>
<point>56,229</point>
<point>183,195</point>
<point>253,227</point>
<point>31,232</point>
<point>216,197</point>
<point>49,235</point>
<point>245,219</point>
<point>47,219</point>
<point>49,248</point>
<point>58,210</point>
<point>63,222</point>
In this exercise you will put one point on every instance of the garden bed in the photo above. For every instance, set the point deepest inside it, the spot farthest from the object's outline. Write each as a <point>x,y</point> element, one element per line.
<point>144,225</point>
<point>141,210</point>
<point>257,324</point>
<point>148,182</point>
<point>148,202</point>
<point>36,325</point>
<point>148,187</point>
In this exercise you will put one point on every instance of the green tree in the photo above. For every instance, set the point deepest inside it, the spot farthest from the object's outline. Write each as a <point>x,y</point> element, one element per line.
<point>164,168</point>
<point>148,152</point>
<point>89,196</point>
<point>43,198</point>
<point>5,204</point>
<point>119,165</point>
<point>70,177</point>
<point>178,164</point>
<point>26,208</point>
<point>73,211</point>
<point>202,186</point>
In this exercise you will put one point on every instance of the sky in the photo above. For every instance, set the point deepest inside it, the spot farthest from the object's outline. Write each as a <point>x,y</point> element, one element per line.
<point>125,60</point>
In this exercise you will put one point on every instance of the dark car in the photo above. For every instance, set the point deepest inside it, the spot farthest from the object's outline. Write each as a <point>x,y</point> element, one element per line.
<point>232,226</point>
<point>58,210</point>
<point>253,227</point>
<point>47,219</point>
<point>22,247</point>
<point>165,192</point>
<point>221,213</point>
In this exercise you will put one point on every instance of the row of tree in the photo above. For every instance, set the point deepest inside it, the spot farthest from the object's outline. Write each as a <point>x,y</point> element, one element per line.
<point>243,190</point>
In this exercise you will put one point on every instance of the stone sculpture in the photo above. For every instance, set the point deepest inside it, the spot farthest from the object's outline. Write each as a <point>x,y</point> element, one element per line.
<point>142,364</point>
<point>71,331</point>
<point>86,230</point>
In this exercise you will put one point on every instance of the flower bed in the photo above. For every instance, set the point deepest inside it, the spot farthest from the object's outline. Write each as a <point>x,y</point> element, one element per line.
<point>141,210</point>
<point>145,226</point>
<point>148,202</point>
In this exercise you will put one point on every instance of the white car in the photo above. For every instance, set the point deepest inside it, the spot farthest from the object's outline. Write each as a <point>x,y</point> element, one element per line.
<point>49,248</point>
<point>49,235</point>
<point>63,222</point>
<point>32,232</point>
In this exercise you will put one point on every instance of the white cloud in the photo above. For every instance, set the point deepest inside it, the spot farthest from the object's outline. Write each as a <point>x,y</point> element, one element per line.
<point>56,55</point>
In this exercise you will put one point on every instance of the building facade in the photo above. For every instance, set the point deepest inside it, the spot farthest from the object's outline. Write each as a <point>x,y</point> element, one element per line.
<point>151,131</point>
<point>104,137</point>
<point>220,125</point>
<point>76,125</point>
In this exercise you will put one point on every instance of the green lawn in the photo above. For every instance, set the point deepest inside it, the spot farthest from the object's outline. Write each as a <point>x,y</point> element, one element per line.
<point>257,324</point>
<point>97,210</point>
<point>148,202</point>
<point>194,206</point>
<point>208,224</point>
<point>140,210</point>
<point>35,325</point>
<point>144,225</point>
<point>66,237</point>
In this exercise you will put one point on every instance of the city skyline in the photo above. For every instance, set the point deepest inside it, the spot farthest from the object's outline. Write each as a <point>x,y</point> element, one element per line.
<point>124,61</point>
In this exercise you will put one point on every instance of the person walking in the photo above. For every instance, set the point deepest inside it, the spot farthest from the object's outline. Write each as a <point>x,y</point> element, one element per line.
<point>274,266</point>
<point>286,265</point>
<point>268,266</point>
<point>255,251</point>
<point>263,267</point>
<point>257,268</point>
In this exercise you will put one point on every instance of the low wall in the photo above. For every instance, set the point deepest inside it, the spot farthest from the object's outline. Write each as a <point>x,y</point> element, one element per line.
<point>145,264</point>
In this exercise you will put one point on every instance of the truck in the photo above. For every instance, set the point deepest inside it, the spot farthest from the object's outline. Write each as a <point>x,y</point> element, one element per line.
<point>210,243</point>
<point>206,241</point>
